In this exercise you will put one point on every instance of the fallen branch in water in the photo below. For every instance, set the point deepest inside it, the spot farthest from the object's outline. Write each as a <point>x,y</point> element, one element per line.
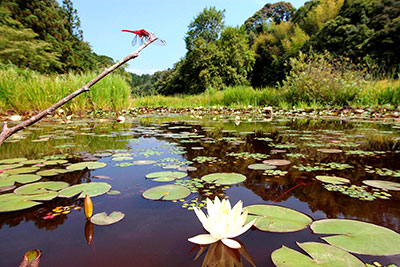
<point>7,132</point>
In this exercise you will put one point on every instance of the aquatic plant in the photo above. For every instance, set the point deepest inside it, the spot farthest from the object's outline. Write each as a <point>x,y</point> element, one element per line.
<point>222,223</point>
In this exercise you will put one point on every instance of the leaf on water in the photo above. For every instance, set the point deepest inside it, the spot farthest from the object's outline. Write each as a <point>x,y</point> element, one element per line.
<point>19,178</point>
<point>165,176</point>
<point>31,258</point>
<point>329,150</point>
<point>40,187</point>
<point>166,192</point>
<point>261,166</point>
<point>319,255</point>
<point>332,179</point>
<point>387,185</point>
<point>224,178</point>
<point>277,162</point>
<point>91,165</point>
<point>91,189</point>
<point>274,218</point>
<point>104,219</point>
<point>358,237</point>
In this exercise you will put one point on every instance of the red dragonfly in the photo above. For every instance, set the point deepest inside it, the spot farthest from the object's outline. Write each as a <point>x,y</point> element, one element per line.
<point>143,36</point>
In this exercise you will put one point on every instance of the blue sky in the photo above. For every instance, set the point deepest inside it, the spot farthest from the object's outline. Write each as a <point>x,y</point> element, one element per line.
<point>103,20</point>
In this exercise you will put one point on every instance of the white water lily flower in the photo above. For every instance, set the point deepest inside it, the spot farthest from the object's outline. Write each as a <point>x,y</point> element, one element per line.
<point>222,223</point>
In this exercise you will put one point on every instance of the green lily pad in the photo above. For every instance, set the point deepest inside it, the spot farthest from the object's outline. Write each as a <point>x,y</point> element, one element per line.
<point>113,192</point>
<point>104,219</point>
<point>51,172</point>
<point>166,192</point>
<point>91,189</point>
<point>332,179</point>
<point>358,237</point>
<point>329,150</point>
<point>55,162</point>
<point>22,170</point>
<point>21,178</point>
<point>274,218</point>
<point>13,202</point>
<point>319,255</point>
<point>121,158</point>
<point>143,162</point>
<point>12,161</point>
<point>261,166</point>
<point>224,178</point>
<point>165,176</point>
<point>91,165</point>
<point>387,185</point>
<point>40,187</point>
<point>10,166</point>
<point>277,162</point>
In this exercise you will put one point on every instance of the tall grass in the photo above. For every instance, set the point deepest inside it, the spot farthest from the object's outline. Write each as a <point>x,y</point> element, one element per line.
<point>26,90</point>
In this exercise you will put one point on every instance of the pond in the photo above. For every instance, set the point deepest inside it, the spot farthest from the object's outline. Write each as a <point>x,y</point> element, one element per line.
<point>304,159</point>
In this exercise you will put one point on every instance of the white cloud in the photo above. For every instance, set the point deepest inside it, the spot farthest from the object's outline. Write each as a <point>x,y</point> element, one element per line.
<point>142,71</point>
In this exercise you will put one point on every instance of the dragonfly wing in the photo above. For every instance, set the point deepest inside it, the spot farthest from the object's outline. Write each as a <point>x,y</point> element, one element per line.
<point>134,40</point>
<point>160,42</point>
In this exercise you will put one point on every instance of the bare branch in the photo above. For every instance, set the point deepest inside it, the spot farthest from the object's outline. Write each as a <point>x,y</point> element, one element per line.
<point>7,132</point>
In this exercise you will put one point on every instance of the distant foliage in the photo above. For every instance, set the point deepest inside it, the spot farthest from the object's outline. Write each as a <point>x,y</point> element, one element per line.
<point>320,78</point>
<point>44,36</point>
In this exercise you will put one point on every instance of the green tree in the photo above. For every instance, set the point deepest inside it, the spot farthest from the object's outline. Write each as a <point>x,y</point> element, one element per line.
<point>208,26</point>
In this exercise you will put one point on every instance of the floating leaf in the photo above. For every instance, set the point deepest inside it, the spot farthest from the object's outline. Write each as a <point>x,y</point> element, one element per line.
<point>261,166</point>
<point>319,255</point>
<point>166,192</point>
<point>277,162</point>
<point>13,202</point>
<point>40,187</point>
<point>274,218</point>
<point>12,161</point>
<point>20,178</point>
<point>121,158</point>
<point>224,178</point>
<point>113,192</point>
<point>51,172</point>
<point>31,258</point>
<point>91,165</point>
<point>187,168</point>
<point>358,237</point>
<point>22,170</point>
<point>329,150</point>
<point>143,162</point>
<point>165,176</point>
<point>103,219</point>
<point>387,185</point>
<point>91,189</point>
<point>332,179</point>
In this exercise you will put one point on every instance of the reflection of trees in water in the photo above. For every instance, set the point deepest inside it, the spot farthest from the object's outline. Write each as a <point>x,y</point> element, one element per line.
<point>303,185</point>
<point>36,214</point>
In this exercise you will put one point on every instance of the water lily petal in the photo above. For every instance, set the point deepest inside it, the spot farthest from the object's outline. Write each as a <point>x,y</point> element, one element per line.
<point>203,239</point>
<point>243,229</point>
<point>231,243</point>
<point>202,217</point>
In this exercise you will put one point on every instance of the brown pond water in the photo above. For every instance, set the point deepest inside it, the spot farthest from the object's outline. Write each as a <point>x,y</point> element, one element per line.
<point>155,233</point>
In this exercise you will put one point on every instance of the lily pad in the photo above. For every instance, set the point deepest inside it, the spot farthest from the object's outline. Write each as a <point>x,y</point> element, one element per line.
<point>332,179</point>
<point>387,185</point>
<point>358,237</point>
<point>165,176</point>
<point>329,150</point>
<point>104,219</point>
<point>166,192</point>
<point>12,161</point>
<point>91,165</point>
<point>274,218</point>
<point>14,202</point>
<point>224,178</point>
<point>143,162</point>
<point>91,189</point>
<point>319,255</point>
<point>113,192</point>
<point>51,172</point>
<point>40,187</point>
<point>261,166</point>
<point>121,158</point>
<point>22,170</point>
<point>187,168</point>
<point>277,162</point>
<point>21,178</point>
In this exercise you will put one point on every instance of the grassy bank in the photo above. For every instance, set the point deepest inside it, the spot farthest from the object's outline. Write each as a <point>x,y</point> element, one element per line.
<point>26,90</point>
<point>370,94</point>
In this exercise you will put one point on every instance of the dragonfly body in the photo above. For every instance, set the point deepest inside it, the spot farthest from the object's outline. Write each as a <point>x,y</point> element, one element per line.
<point>143,36</point>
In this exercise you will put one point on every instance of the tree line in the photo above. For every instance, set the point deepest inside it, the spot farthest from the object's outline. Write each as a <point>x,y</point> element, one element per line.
<point>257,53</point>
<point>46,37</point>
